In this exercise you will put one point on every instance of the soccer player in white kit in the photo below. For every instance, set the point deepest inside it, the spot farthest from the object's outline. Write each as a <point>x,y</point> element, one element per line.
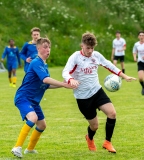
<point>118,51</point>
<point>138,54</point>
<point>82,70</point>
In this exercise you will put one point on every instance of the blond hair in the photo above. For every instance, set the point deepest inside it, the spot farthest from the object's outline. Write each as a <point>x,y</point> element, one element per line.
<point>89,39</point>
<point>42,40</point>
<point>35,29</point>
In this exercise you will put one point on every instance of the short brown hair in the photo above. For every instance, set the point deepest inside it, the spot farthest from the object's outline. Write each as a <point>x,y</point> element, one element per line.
<point>140,32</point>
<point>35,29</point>
<point>42,40</point>
<point>89,39</point>
<point>118,32</point>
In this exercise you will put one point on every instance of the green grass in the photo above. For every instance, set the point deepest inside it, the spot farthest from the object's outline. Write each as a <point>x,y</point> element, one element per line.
<point>66,127</point>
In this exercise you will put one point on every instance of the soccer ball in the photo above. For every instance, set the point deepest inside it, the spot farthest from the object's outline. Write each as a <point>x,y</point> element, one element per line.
<point>112,83</point>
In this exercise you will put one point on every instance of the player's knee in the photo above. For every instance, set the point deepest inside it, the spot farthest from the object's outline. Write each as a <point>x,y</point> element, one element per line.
<point>112,114</point>
<point>33,118</point>
<point>42,126</point>
<point>94,127</point>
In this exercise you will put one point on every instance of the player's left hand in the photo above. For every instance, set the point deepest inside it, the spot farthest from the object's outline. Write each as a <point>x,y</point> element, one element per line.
<point>129,79</point>
<point>69,86</point>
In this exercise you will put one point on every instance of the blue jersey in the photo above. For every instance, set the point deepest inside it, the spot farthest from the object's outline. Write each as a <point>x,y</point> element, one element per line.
<point>12,54</point>
<point>28,50</point>
<point>33,88</point>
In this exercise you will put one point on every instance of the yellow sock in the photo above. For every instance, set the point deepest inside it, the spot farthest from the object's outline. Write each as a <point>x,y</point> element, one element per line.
<point>34,139</point>
<point>22,136</point>
<point>14,79</point>
<point>10,80</point>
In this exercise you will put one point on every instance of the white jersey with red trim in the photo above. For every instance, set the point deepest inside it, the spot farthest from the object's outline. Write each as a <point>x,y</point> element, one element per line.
<point>139,50</point>
<point>85,70</point>
<point>118,44</point>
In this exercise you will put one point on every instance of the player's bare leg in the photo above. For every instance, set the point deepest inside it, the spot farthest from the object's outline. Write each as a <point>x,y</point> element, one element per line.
<point>115,62</point>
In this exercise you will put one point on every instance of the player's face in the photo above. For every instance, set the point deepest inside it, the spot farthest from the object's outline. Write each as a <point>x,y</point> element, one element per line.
<point>11,43</point>
<point>35,35</point>
<point>118,35</point>
<point>87,50</point>
<point>44,50</point>
<point>141,36</point>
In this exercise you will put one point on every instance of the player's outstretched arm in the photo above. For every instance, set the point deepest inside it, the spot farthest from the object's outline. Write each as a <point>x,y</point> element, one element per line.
<point>127,78</point>
<point>57,84</point>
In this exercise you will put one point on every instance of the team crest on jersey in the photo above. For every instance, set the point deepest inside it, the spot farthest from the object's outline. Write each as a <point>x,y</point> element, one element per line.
<point>93,60</point>
<point>30,107</point>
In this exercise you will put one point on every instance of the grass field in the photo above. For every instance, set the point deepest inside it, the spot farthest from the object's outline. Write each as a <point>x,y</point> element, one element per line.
<point>64,137</point>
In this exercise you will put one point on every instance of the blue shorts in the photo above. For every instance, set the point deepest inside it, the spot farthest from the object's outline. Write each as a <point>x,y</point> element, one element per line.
<point>25,107</point>
<point>11,66</point>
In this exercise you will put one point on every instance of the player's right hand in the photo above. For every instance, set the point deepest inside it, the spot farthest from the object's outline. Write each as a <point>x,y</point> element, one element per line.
<point>2,60</point>
<point>135,59</point>
<point>28,59</point>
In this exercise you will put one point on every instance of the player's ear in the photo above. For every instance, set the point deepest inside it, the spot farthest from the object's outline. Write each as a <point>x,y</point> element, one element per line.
<point>81,45</point>
<point>37,47</point>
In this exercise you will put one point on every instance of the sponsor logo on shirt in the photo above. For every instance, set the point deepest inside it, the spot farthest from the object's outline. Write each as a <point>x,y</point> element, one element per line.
<point>88,70</point>
<point>11,54</point>
<point>141,51</point>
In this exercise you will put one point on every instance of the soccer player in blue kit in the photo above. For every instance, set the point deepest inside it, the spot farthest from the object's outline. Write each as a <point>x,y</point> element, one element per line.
<point>27,99</point>
<point>12,53</point>
<point>29,50</point>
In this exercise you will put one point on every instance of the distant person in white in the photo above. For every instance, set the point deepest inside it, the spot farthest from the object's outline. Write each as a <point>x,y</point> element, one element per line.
<point>82,70</point>
<point>138,55</point>
<point>118,51</point>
